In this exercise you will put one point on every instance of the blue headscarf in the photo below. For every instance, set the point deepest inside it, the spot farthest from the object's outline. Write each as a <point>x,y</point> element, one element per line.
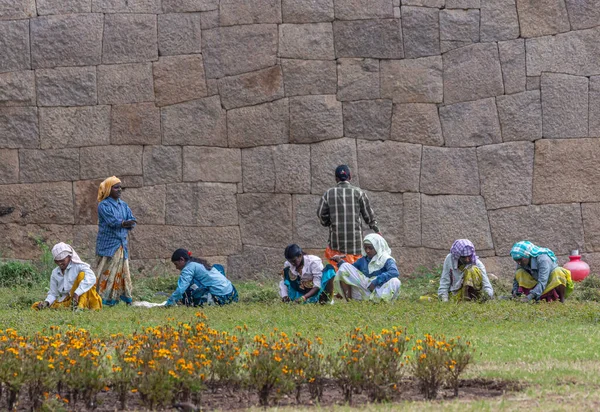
<point>527,249</point>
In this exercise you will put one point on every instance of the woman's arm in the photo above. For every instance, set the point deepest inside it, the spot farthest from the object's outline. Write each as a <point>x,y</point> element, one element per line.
<point>88,282</point>
<point>389,271</point>
<point>185,280</point>
<point>444,288</point>
<point>544,266</point>
<point>106,213</point>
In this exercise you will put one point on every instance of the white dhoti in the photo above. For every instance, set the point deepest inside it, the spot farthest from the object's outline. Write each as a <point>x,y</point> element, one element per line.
<point>360,285</point>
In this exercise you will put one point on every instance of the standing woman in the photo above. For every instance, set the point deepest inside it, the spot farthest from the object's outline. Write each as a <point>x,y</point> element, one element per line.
<point>115,220</point>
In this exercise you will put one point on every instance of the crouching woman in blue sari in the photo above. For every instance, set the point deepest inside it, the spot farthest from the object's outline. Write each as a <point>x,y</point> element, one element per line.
<point>200,282</point>
<point>305,280</point>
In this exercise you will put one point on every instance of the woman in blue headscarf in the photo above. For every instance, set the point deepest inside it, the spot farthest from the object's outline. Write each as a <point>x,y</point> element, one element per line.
<point>538,275</point>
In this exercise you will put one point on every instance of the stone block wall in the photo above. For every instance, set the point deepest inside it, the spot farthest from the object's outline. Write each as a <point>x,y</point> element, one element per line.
<point>226,118</point>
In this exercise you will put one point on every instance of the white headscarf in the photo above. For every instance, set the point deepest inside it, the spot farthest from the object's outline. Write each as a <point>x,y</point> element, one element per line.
<point>62,250</point>
<point>383,251</point>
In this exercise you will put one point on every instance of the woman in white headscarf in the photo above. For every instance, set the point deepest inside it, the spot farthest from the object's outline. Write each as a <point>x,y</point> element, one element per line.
<point>72,283</point>
<point>374,276</point>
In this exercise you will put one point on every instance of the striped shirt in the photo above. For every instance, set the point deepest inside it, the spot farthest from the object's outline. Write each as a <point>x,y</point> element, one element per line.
<point>111,235</point>
<point>340,209</point>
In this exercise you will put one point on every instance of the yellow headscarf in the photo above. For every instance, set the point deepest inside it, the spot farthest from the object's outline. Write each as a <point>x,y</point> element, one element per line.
<point>104,189</point>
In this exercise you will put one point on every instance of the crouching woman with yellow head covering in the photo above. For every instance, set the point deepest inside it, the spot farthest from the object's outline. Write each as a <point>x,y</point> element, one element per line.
<point>72,283</point>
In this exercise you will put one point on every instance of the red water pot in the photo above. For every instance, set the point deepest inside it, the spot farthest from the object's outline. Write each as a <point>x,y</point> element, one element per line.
<point>578,268</point>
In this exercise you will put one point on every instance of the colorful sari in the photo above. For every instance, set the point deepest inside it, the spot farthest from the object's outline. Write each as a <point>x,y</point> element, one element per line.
<point>559,276</point>
<point>360,285</point>
<point>296,288</point>
<point>472,285</point>
<point>329,253</point>
<point>114,279</point>
<point>88,300</point>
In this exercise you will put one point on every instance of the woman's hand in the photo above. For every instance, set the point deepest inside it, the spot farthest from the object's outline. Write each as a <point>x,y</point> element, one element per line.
<point>43,305</point>
<point>337,258</point>
<point>285,299</point>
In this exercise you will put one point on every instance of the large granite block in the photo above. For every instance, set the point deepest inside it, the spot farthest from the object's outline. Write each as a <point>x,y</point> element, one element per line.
<point>129,38</point>
<point>14,46</point>
<point>325,157</point>
<point>376,38</point>
<point>506,173</point>
<point>135,124</point>
<point>558,227</point>
<point>415,261</point>
<point>234,50</point>
<point>251,88</point>
<point>520,116</point>
<point>412,80</point>
<point>315,118</point>
<point>301,77</point>
<point>358,79</point>
<point>19,127</point>
<point>200,122</point>
<point>447,218</point>
<point>38,203</point>
<point>470,123</point>
<point>125,6</point>
<point>63,6</point>
<point>583,14</point>
<point>306,41</point>
<point>256,262</point>
<point>20,241</point>
<point>458,28</point>
<point>564,105</point>
<point>18,88</point>
<point>147,204</point>
<point>178,79</point>
<point>472,72</point>
<point>388,208</point>
<point>417,123</point>
<point>125,83</point>
<point>368,119</point>
<point>265,219</point>
<point>17,9</point>
<point>100,162</point>
<point>512,60</point>
<point>542,18</point>
<point>381,169</point>
<point>292,168</point>
<point>85,193</point>
<point>62,127</point>
<point>66,40</point>
<point>179,33</point>
<point>66,86</point>
<point>162,164</point>
<point>9,166</point>
<point>421,30</point>
<point>212,164</point>
<point>449,171</point>
<point>185,6</point>
<point>202,204</point>
<point>307,11</point>
<point>258,169</point>
<point>499,20</point>
<point>411,214</point>
<point>48,165</point>
<point>259,125</point>
<point>363,9</point>
<point>591,225</point>
<point>234,12</point>
<point>594,103</point>
<point>308,231</point>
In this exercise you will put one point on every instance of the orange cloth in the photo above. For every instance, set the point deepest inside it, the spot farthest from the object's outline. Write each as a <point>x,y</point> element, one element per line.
<point>329,253</point>
<point>104,189</point>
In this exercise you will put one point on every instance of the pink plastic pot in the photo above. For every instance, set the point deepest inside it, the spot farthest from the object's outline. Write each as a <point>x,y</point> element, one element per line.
<point>578,268</point>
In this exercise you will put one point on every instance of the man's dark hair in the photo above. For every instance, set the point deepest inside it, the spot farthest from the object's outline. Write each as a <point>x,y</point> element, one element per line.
<point>342,173</point>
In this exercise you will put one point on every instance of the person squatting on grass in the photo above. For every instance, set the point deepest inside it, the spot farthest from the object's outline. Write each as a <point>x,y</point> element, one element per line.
<point>72,282</point>
<point>373,277</point>
<point>538,276</point>
<point>200,282</point>
<point>305,280</point>
<point>115,220</point>
<point>464,275</point>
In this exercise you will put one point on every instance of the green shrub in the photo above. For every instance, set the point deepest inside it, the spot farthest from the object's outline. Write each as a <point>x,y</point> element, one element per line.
<point>16,273</point>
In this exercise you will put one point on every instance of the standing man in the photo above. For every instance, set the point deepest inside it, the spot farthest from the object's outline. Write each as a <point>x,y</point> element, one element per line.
<point>340,209</point>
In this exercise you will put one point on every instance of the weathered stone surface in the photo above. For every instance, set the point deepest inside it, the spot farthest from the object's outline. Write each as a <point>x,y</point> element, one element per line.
<point>308,231</point>
<point>378,38</point>
<point>16,9</point>
<point>258,169</point>
<point>14,45</point>
<point>591,225</point>
<point>499,20</point>
<point>209,19</point>
<point>179,33</point>
<point>63,6</point>
<point>252,88</point>
<point>234,12</point>
<point>19,127</point>
<point>292,168</point>
<point>85,193</point>
<point>200,122</point>
<point>102,161</point>
<point>314,118</point>
<point>367,119</point>
<point>202,241</point>
<point>66,86</point>
<point>411,208</point>
<point>306,41</point>
<point>147,203</point>
<point>135,124</point>
<point>472,72</point>
<point>417,123</point>
<point>414,261</point>
<point>178,79</point>
<point>533,83</point>
<point>421,30</point>
<point>463,4</point>
<point>520,116</point>
<point>506,173</point>
<point>458,28</point>
<point>412,81</point>
<point>255,262</point>
<point>512,61</point>
<point>358,79</point>
<point>48,165</point>
<point>594,102</point>
<point>9,166</point>
<point>131,181</point>
<point>567,182</point>
<point>363,9</point>
<point>162,164</point>
<point>301,77</point>
<point>265,229</point>
<point>62,127</point>
<point>447,218</point>
<point>325,157</point>
<point>38,203</point>
<point>583,14</point>
<point>470,123</point>
<point>125,6</point>
<point>259,125</point>
<point>20,241</point>
<point>17,88</point>
<point>381,171</point>
<point>558,227</point>
<point>184,6</point>
<point>212,164</point>
<point>539,19</point>
<point>564,105</point>
<point>129,38</point>
<point>238,49</point>
<point>307,11</point>
<point>388,208</point>
<point>577,52</point>
<point>449,171</point>
<point>125,83</point>
<point>66,40</point>
<point>202,204</point>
